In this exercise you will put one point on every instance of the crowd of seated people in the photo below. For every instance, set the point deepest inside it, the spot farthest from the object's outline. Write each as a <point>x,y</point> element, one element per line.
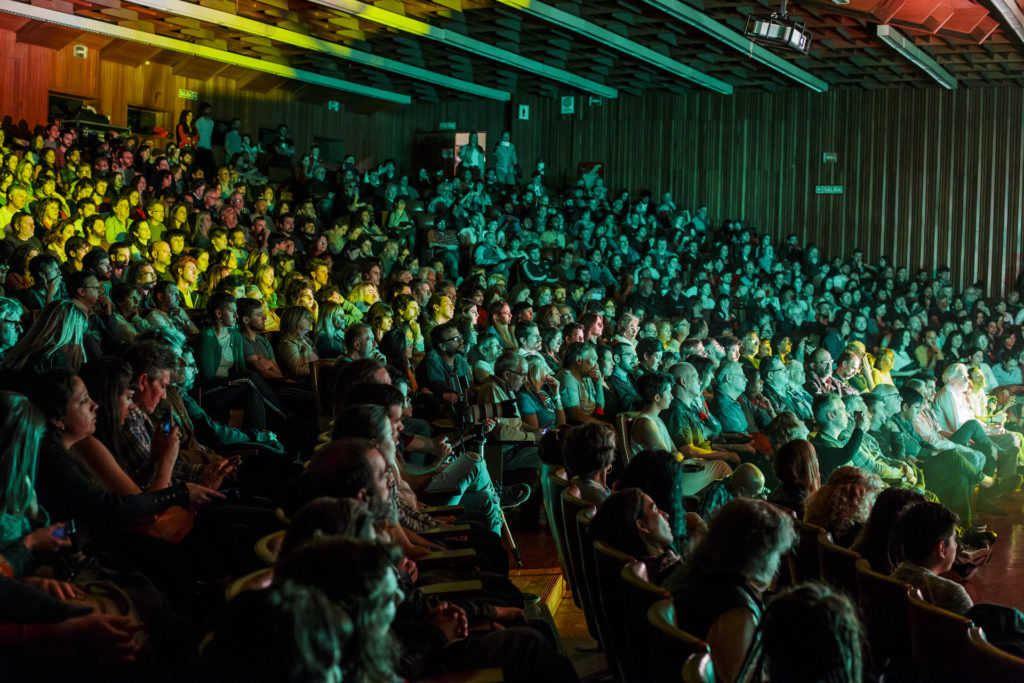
<point>163,319</point>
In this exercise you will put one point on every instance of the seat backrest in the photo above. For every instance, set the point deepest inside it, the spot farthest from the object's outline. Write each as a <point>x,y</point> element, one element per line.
<point>623,426</point>
<point>611,610</point>
<point>838,565</point>
<point>698,669</point>
<point>257,580</point>
<point>321,377</point>
<point>884,603</point>
<point>990,664</point>
<point>571,507</point>
<point>938,640</point>
<point>670,646</point>
<point>269,547</point>
<point>638,594</point>
<point>551,486</point>
<point>803,558</point>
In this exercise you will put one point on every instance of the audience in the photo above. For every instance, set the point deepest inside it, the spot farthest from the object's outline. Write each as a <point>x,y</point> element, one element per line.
<point>162,315</point>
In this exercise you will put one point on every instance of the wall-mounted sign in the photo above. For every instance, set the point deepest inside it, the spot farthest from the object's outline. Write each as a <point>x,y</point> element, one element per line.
<point>830,157</point>
<point>188,94</point>
<point>828,189</point>
<point>333,105</point>
<point>595,101</point>
<point>446,125</point>
<point>524,112</point>
<point>569,105</point>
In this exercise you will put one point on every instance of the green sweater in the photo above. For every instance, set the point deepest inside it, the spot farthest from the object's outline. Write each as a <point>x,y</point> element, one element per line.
<point>208,353</point>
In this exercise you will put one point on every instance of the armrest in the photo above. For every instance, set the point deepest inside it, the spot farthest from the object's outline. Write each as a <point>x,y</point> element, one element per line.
<point>439,495</point>
<point>443,509</point>
<point>445,531</point>
<point>447,558</point>
<point>460,589</point>
<point>468,676</point>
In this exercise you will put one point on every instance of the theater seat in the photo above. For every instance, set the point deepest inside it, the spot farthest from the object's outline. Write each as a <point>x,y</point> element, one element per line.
<point>990,664</point>
<point>638,594</point>
<point>612,610</point>
<point>699,669</point>
<point>257,580</point>
<point>670,646</point>
<point>884,604</point>
<point>802,560</point>
<point>939,643</point>
<point>838,565</point>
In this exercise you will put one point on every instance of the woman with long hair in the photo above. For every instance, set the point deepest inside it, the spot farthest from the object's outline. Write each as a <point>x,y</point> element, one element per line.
<point>186,130</point>
<point>540,407</point>
<point>21,428</point>
<point>295,349</point>
<point>398,351</point>
<point>381,319</point>
<point>54,340</point>
<point>843,503</point>
<point>796,466</point>
<point>659,474</point>
<point>139,236</point>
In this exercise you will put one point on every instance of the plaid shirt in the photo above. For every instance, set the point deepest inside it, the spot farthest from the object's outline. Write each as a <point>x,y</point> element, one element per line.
<point>868,457</point>
<point>136,439</point>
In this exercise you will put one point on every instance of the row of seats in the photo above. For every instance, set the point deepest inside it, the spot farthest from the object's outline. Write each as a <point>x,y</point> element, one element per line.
<point>632,619</point>
<point>905,633</point>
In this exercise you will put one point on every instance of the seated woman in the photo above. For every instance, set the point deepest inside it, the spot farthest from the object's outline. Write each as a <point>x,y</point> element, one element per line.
<point>482,357</point>
<point>843,503</point>
<point>796,467</point>
<point>660,475</point>
<point>588,453</point>
<point>649,432</point>
<point>719,596</point>
<point>631,522</point>
<point>55,340</point>
<point>540,408</point>
<point>295,350</point>
<point>874,542</point>
<point>130,323</point>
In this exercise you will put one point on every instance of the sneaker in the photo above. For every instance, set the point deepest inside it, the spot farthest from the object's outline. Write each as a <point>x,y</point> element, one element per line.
<point>514,495</point>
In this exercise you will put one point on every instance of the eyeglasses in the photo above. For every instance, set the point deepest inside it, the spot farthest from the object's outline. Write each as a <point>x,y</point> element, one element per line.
<point>456,338</point>
<point>15,321</point>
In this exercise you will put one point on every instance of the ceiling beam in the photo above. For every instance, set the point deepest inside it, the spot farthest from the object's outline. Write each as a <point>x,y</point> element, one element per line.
<point>618,42</point>
<point>916,56</point>
<point>479,48</point>
<point>1010,18</point>
<point>115,31</point>
<point>280,35</point>
<point>738,42</point>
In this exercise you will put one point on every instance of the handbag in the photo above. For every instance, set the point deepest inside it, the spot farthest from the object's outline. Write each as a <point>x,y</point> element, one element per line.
<point>171,525</point>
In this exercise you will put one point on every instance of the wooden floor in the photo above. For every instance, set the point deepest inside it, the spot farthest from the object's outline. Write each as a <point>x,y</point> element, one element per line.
<point>1001,581</point>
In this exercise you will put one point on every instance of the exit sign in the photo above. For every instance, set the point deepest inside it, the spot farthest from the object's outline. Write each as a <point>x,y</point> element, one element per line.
<point>828,189</point>
<point>188,94</point>
<point>446,125</point>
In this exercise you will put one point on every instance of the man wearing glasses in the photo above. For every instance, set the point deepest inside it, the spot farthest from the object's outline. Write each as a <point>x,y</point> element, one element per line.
<point>86,291</point>
<point>444,369</point>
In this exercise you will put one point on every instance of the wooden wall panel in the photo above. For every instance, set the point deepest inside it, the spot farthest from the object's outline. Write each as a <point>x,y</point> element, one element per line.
<point>931,177</point>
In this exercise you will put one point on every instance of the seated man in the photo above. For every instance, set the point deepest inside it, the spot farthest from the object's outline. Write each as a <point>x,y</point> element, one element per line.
<point>509,371</point>
<point>622,395</point>
<point>256,348</point>
<point>926,538</point>
<point>444,369</point>
<point>746,481</point>
<point>588,452</point>
<point>48,284</point>
<point>168,315</point>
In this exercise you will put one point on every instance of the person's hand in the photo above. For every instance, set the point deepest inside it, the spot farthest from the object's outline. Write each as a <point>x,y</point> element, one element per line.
<point>442,448</point>
<point>58,589</point>
<point>863,420</point>
<point>407,566</point>
<point>165,446</point>
<point>451,397</point>
<point>553,381</point>
<point>42,541</point>
<point>111,637</point>
<point>51,287</point>
<point>200,495</point>
<point>451,620</point>
<point>213,474</point>
<point>508,616</point>
<point>103,305</point>
<point>908,473</point>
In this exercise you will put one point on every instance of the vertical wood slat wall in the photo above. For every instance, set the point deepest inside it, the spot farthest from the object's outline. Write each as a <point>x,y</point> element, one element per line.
<point>931,177</point>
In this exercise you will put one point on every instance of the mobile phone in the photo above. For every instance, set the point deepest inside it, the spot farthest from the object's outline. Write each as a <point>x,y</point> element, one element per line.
<point>168,423</point>
<point>60,532</point>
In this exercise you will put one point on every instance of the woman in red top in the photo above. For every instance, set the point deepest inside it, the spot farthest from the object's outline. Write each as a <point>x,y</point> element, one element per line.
<point>187,134</point>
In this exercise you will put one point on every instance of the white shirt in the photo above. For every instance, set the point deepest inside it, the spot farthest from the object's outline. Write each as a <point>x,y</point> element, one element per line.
<point>952,409</point>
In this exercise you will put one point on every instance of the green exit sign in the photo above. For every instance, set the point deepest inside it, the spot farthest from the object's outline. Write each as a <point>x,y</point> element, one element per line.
<point>828,189</point>
<point>446,125</point>
<point>188,94</point>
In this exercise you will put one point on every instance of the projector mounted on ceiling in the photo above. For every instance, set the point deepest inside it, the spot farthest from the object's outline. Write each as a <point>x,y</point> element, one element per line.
<point>779,30</point>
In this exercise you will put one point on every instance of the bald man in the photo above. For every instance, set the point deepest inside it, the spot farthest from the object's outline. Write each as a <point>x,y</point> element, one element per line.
<point>746,481</point>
